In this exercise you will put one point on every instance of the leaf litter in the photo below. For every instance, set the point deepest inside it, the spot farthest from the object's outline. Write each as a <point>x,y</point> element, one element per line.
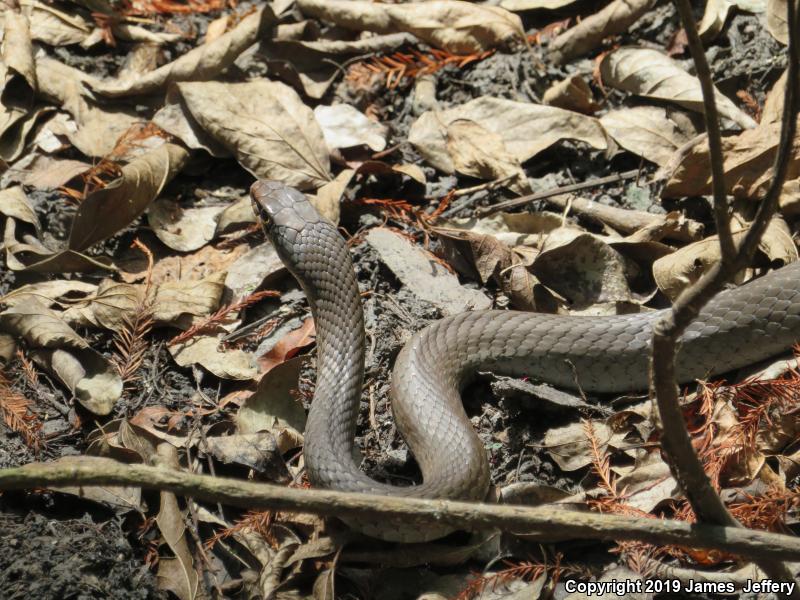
<point>144,318</point>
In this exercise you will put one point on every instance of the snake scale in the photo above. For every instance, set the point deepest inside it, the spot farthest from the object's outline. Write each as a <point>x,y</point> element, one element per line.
<point>599,354</point>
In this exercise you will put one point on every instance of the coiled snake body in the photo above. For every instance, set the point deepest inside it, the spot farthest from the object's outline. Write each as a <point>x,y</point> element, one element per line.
<point>599,354</point>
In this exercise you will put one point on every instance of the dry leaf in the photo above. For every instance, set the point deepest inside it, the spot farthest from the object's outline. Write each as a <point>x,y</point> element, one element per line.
<point>748,160</point>
<point>716,14</point>
<point>677,271</point>
<point>258,451</point>
<point>183,229</point>
<point>479,153</point>
<point>526,128</point>
<point>54,345</point>
<point>652,132</point>
<point>776,21</point>
<point>344,126</point>
<point>287,347</point>
<point>112,208</point>
<point>273,407</point>
<point>47,173</point>
<point>96,128</point>
<point>328,198</point>
<point>266,126</point>
<point>652,74</point>
<point>207,352</point>
<point>587,35</point>
<point>455,26</point>
<point>17,50</point>
<point>177,574</point>
<point>306,65</point>
<point>199,64</point>
<point>572,93</point>
<point>423,275</point>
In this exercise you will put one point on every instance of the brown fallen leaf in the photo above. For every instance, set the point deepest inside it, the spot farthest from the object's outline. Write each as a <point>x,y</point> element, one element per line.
<point>17,50</point>
<point>106,211</point>
<point>675,272</point>
<point>652,74</point>
<point>288,346</point>
<point>266,125</point>
<point>587,35</point>
<point>572,93</point>
<point>199,64</point>
<point>526,129</point>
<point>477,152</point>
<point>455,26</point>
<point>716,14</point>
<point>274,408</point>
<point>652,132</point>
<point>776,21</point>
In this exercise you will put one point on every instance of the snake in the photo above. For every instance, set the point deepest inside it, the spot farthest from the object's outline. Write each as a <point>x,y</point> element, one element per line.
<point>594,354</point>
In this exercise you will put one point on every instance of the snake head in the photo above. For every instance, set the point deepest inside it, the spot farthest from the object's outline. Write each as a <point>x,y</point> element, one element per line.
<point>278,206</point>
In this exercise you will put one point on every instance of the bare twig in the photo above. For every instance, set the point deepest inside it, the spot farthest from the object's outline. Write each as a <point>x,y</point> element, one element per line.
<point>676,443</point>
<point>546,523</point>
<point>566,189</point>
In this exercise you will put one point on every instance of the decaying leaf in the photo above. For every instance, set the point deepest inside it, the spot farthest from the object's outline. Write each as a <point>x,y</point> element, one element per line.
<point>258,451</point>
<point>176,574</point>
<point>526,129</point>
<point>273,407</point>
<point>199,64</point>
<point>89,376</point>
<point>652,74</point>
<point>105,211</point>
<point>652,132</point>
<point>717,13</point>
<point>614,18</point>
<point>265,125</point>
<point>479,153</point>
<point>455,26</point>
<point>572,93</point>
<point>207,352</point>
<point>675,272</point>
<point>776,20</point>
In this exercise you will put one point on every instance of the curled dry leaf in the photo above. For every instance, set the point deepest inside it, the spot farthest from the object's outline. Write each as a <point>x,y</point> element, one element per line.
<point>14,205</point>
<point>572,93</point>
<point>344,126</point>
<point>286,347</point>
<point>46,173</point>
<point>176,574</point>
<point>96,128</point>
<point>17,50</point>
<point>748,159</point>
<point>716,14</point>
<point>675,272</point>
<point>492,259</point>
<point>452,25</point>
<point>424,275</point>
<point>55,27</point>
<point>266,125</point>
<point>328,198</point>
<point>200,64</point>
<point>258,451</point>
<point>588,34</point>
<point>273,408</point>
<point>479,153</point>
<point>526,129</point>
<point>653,132</point>
<point>652,74</point>
<point>106,211</point>
<point>54,345</point>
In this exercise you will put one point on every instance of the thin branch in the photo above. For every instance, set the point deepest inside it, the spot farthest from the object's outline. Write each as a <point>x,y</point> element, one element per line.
<point>675,440</point>
<point>721,215</point>
<point>546,523</point>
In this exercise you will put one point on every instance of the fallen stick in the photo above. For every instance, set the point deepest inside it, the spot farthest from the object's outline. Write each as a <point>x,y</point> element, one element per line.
<point>545,522</point>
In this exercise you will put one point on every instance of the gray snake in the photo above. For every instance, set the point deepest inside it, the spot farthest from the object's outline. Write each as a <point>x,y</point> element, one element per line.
<point>597,354</point>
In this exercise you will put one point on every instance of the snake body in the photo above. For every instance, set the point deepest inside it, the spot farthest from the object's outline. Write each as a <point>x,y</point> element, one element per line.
<point>596,354</point>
